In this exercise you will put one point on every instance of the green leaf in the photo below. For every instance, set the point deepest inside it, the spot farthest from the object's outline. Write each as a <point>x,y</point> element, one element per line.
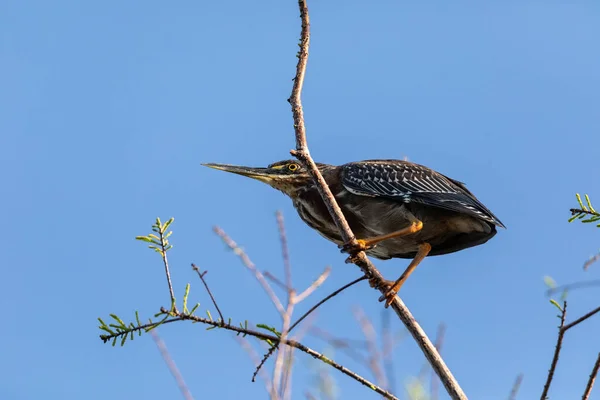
<point>555,303</point>
<point>194,309</point>
<point>107,329</point>
<point>587,199</point>
<point>270,329</point>
<point>185,298</point>
<point>580,202</point>
<point>118,320</point>
<point>166,224</point>
<point>144,239</point>
<point>549,282</point>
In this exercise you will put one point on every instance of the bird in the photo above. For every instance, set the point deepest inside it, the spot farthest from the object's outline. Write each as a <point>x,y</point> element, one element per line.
<point>396,209</point>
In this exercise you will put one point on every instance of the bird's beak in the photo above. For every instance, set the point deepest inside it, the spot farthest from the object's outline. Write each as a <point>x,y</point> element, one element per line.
<point>260,174</point>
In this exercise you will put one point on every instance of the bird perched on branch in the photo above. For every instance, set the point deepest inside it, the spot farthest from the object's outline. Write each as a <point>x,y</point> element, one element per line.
<point>396,208</point>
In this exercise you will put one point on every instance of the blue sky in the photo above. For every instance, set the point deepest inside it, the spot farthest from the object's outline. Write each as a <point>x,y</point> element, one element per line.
<point>108,109</point>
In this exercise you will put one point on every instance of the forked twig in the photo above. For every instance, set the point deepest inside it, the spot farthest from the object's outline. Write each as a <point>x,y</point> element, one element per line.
<point>201,276</point>
<point>306,314</point>
<point>303,155</point>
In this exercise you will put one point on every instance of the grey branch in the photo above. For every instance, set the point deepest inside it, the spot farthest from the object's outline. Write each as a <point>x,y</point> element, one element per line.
<point>303,155</point>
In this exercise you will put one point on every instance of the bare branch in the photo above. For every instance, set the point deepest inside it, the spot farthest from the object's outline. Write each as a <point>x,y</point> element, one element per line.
<point>277,281</point>
<point>287,266</point>
<point>361,260</point>
<point>590,384</point>
<point>201,276</point>
<point>581,319</point>
<point>561,334</point>
<point>515,387</point>
<point>371,337</point>
<point>250,265</point>
<point>164,352</point>
<point>278,370</point>
<point>314,286</point>
<point>439,342</point>
<point>387,348</point>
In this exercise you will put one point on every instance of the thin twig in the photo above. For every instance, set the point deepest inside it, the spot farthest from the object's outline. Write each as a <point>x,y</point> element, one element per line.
<point>387,348</point>
<point>201,276</point>
<point>575,211</point>
<point>335,293</point>
<point>286,379</point>
<point>163,253</point>
<point>250,265</point>
<point>306,314</point>
<point>314,286</point>
<point>254,356</point>
<point>162,347</point>
<point>303,155</point>
<point>287,266</point>
<point>276,281</point>
<point>561,334</point>
<point>281,355</point>
<point>374,355</point>
<point>515,387</point>
<point>581,319</point>
<point>590,384</point>
<point>590,261</point>
<point>439,342</point>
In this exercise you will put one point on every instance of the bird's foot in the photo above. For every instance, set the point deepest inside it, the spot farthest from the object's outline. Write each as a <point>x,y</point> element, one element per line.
<point>354,249</point>
<point>392,290</point>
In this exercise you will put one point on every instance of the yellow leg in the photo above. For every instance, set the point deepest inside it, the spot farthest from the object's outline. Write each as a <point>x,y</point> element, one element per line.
<point>366,244</point>
<point>424,250</point>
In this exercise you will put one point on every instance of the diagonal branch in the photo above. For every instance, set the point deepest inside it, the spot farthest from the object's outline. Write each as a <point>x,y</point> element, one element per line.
<point>250,265</point>
<point>303,155</point>
<point>590,384</point>
<point>515,388</point>
<point>201,276</point>
<point>559,339</point>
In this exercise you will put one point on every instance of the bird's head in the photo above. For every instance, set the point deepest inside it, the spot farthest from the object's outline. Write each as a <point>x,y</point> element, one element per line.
<point>289,176</point>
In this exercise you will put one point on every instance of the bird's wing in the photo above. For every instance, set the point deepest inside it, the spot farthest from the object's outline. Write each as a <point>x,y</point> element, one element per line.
<point>409,182</point>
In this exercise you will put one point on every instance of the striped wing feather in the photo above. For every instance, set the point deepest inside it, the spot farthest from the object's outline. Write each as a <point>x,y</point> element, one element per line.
<point>408,182</point>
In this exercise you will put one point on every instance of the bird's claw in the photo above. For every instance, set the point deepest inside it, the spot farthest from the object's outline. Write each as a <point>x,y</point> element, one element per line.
<point>388,296</point>
<point>390,292</point>
<point>354,249</point>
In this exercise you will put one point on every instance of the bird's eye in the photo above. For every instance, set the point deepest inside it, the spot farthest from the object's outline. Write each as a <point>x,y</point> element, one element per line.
<point>293,167</point>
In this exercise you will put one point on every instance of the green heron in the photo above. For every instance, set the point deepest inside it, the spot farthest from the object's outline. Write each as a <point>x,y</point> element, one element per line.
<point>399,209</point>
